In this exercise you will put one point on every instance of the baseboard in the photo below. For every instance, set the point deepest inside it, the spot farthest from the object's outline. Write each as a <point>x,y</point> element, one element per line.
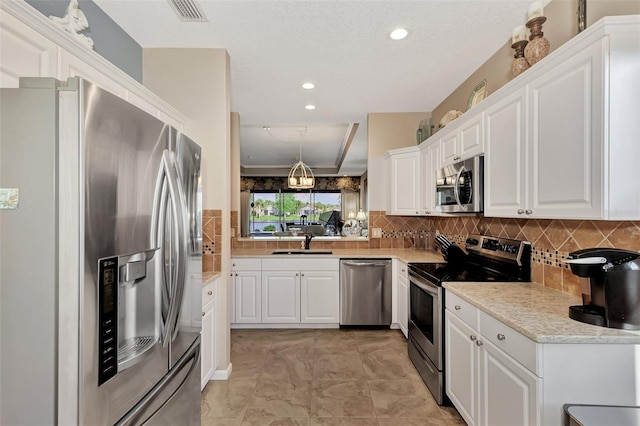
<point>222,374</point>
<point>287,325</point>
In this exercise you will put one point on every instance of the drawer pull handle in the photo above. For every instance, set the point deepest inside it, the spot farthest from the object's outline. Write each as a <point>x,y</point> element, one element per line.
<point>520,211</point>
<point>457,307</point>
<point>210,292</point>
<point>473,338</point>
<point>479,343</point>
<point>501,336</point>
<point>528,211</point>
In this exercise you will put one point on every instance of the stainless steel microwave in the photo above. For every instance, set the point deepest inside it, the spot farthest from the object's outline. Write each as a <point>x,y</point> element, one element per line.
<point>459,187</point>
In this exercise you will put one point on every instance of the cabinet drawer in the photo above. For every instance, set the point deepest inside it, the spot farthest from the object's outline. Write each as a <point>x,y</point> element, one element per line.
<point>462,309</point>
<point>208,292</point>
<point>510,341</point>
<point>246,264</point>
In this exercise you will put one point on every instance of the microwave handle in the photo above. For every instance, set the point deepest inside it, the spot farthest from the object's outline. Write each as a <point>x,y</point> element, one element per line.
<point>456,188</point>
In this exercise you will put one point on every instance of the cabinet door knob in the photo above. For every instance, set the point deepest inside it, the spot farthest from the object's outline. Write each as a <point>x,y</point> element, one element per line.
<point>236,274</point>
<point>403,270</point>
<point>234,264</point>
<point>297,274</point>
<point>479,343</point>
<point>457,307</point>
<point>472,337</point>
<point>203,314</point>
<point>210,292</point>
<point>417,212</point>
<point>528,211</point>
<point>520,211</point>
<point>302,275</point>
<point>501,336</point>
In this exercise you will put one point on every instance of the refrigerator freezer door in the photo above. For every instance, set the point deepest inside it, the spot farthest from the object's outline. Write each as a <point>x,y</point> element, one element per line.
<point>175,400</point>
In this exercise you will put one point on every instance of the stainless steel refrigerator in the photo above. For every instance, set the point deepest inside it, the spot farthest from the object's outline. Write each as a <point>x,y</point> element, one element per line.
<point>100,260</point>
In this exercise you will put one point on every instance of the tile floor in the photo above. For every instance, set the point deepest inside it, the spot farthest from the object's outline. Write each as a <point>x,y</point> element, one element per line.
<point>322,377</point>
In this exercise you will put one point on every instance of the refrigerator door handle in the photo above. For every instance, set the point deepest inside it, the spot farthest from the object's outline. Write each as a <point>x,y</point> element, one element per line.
<point>158,218</point>
<point>178,208</point>
<point>169,196</point>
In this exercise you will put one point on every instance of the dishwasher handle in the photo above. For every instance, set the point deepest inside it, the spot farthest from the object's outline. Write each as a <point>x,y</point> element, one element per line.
<point>365,263</point>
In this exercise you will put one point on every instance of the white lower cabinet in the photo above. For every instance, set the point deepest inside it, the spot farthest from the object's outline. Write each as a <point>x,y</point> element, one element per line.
<point>496,376</point>
<point>286,291</point>
<point>247,290</point>
<point>208,334</point>
<point>508,391</point>
<point>486,385</point>
<point>280,297</point>
<point>402,296</point>
<point>319,297</point>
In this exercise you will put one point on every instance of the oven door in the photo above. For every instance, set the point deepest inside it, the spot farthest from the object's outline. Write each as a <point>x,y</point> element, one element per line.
<point>425,317</point>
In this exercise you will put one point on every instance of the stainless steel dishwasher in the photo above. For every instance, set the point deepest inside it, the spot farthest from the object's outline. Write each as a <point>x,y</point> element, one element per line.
<point>365,292</point>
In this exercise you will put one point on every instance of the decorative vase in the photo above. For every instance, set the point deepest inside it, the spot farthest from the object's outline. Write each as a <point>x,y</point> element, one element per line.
<point>519,63</point>
<point>538,46</point>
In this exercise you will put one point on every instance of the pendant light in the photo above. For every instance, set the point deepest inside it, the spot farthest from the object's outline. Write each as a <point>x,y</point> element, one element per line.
<point>301,176</point>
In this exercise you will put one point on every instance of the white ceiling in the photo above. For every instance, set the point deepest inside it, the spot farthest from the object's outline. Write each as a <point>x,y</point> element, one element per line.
<point>341,46</point>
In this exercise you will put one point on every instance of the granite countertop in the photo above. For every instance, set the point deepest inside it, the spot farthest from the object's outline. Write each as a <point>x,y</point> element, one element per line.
<point>406,255</point>
<point>207,277</point>
<point>537,312</point>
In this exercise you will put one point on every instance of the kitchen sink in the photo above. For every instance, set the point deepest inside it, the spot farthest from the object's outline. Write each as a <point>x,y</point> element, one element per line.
<point>302,252</point>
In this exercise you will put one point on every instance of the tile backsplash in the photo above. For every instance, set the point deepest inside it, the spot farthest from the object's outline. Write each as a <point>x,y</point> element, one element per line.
<point>211,240</point>
<point>551,240</point>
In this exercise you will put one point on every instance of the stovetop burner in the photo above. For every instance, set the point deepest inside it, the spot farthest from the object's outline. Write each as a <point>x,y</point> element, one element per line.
<point>488,259</point>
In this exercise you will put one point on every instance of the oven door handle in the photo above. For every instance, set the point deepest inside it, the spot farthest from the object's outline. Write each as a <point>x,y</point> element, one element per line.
<point>456,189</point>
<point>432,290</point>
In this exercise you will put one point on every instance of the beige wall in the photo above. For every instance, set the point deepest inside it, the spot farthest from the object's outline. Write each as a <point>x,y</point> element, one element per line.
<point>560,27</point>
<point>197,83</point>
<point>387,131</point>
<point>235,162</point>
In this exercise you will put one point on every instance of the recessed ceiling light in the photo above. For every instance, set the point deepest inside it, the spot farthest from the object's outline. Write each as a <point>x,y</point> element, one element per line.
<point>310,107</point>
<point>308,86</point>
<point>398,34</point>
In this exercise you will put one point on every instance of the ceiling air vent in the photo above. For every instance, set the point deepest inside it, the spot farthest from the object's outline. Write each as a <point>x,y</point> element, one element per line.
<point>188,10</point>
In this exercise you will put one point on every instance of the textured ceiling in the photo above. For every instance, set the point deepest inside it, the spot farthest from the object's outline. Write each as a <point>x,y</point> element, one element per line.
<point>341,46</point>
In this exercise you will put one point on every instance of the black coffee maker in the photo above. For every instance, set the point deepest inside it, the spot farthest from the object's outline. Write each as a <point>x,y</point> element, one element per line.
<point>610,284</point>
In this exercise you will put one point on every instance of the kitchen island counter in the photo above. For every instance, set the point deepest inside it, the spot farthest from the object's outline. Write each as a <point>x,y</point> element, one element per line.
<point>537,312</point>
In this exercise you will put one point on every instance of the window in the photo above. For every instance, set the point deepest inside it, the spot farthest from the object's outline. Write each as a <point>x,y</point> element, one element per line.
<point>280,211</point>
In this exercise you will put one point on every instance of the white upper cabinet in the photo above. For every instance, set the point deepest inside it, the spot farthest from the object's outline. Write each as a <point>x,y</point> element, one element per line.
<point>505,171</point>
<point>429,165</point>
<point>32,46</point>
<point>562,138</point>
<point>404,182</point>
<point>25,53</point>
<point>565,138</point>
<point>465,141</point>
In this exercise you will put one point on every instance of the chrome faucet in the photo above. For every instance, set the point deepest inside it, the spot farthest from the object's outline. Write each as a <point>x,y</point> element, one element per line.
<point>307,241</point>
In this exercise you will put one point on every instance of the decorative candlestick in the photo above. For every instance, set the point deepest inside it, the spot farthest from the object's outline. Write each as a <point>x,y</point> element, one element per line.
<point>519,63</point>
<point>538,46</point>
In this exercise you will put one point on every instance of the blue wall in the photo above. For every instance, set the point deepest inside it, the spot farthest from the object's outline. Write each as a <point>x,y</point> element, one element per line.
<point>109,40</point>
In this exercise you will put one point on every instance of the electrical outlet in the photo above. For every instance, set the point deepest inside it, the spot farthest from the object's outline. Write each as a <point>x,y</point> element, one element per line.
<point>376,233</point>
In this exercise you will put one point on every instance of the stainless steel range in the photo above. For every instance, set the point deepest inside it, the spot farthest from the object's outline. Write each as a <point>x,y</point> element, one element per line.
<point>485,259</point>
